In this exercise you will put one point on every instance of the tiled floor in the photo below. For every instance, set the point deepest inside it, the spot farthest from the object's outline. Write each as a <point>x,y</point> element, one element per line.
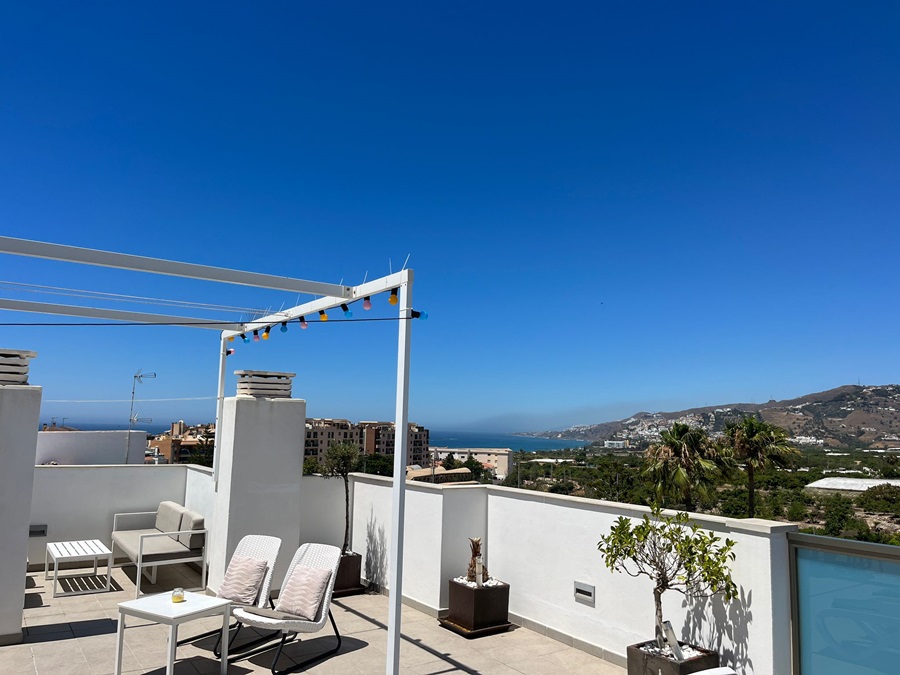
<point>74,635</point>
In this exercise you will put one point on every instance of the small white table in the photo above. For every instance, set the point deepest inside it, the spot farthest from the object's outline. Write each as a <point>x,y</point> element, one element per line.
<point>74,551</point>
<point>160,609</point>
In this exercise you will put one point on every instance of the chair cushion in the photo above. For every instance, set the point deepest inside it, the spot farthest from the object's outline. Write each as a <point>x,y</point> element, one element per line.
<point>242,580</point>
<point>155,548</point>
<point>168,517</point>
<point>191,520</point>
<point>303,593</point>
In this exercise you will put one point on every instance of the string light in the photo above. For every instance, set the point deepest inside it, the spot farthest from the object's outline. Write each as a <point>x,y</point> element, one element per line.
<point>393,299</point>
<point>419,315</point>
<point>346,310</point>
<point>367,303</point>
<point>322,315</point>
<point>283,328</point>
<point>229,352</point>
<point>231,338</point>
<point>303,324</point>
<point>265,334</point>
<point>256,336</point>
<point>245,338</point>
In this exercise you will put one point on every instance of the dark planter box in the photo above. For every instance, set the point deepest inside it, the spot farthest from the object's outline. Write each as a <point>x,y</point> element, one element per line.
<point>348,574</point>
<point>477,611</point>
<point>643,663</point>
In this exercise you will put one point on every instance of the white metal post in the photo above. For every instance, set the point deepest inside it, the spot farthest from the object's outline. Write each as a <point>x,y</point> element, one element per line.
<point>401,435</point>
<point>220,403</point>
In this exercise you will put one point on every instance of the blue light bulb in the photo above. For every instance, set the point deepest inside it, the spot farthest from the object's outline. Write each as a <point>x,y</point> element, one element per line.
<point>283,328</point>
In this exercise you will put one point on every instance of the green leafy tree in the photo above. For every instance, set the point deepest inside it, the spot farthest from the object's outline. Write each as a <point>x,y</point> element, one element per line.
<point>450,462</point>
<point>202,453</point>
<point>340,460</point>
<point>311,466</point>
<point>757,445</point>
<point>476,467</point>
<point>838,514</point>
<point>674,554</point>
<point>682,463</point>
<point>880,499</point>
<point>379,465</point>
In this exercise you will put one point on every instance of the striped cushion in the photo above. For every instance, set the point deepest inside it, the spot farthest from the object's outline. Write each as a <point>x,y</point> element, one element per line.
<point>302,594</point>
<point>242,580</point>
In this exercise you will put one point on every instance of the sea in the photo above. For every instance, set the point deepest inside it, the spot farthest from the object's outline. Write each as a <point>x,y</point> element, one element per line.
<point>442,439</point>
<point>487,439</point>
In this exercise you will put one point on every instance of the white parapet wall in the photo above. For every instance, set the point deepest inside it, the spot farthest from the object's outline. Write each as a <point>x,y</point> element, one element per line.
<point>90,447</point>
<point>78,502</point>
<point>541,544</point>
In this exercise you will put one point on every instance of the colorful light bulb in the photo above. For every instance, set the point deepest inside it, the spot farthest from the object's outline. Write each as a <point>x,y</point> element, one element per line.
<point>283,328</point>
<point>245,338</point>
<point>303,324</point>
<point>367,304</point>
<point>322,315</point>
<point>266,332</point>
<point>393,299</point>
<point>346,310</point>
<point>419,315</point>
<point>229,352</point>
<point>231,338</point>
<point>256,336</point>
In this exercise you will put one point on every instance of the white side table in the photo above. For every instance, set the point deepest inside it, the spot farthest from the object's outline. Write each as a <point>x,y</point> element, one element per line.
<point>160,609</point>
<point>74,551</point>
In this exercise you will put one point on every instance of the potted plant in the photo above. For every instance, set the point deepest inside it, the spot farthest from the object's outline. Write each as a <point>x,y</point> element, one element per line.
<point>479,604</point>
<point>676,555</point>
<point>340,460</point>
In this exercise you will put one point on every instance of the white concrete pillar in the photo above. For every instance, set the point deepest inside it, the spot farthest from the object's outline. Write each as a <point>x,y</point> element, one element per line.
<point>20,407</point>
<point>260,466</point>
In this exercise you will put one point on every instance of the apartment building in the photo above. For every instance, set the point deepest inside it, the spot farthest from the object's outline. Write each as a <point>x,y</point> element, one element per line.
<point>373,438</point>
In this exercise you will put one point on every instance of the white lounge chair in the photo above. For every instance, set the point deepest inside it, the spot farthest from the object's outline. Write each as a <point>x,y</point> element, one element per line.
<point>317,556</point>
<point>258,547</point>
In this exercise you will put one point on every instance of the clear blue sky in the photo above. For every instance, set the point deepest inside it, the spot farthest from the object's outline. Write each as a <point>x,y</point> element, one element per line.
<point>610,207</point>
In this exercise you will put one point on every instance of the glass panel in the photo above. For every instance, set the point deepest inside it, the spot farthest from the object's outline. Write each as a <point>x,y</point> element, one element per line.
<point>849,613</point>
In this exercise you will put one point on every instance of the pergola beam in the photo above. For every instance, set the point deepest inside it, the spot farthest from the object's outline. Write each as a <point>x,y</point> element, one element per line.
<point>136,263</point>
<point>313,307</point>
<point>112,315</point>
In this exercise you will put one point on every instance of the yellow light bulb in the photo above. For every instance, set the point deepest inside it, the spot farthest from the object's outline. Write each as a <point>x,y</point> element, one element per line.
<point>231,338</point>
<point>323,316</point>
<point>393,299</point>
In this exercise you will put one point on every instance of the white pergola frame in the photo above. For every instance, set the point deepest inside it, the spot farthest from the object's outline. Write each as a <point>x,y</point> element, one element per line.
<point>333,295</point>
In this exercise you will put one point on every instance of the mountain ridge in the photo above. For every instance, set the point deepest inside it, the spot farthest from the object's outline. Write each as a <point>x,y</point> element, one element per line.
<point>843,417</point>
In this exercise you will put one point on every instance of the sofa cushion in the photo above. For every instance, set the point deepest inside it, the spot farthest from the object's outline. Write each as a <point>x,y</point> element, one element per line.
<point>155,548</point>
<point>168,517</point>
<point>303,593</point>
<point>191,520</point>
<point>242,579</point>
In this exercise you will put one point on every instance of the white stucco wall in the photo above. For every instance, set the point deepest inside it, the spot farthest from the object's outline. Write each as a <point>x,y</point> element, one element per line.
<point>90,447</point>
<point>19,410</point>
<point>322,506</point>
<point>541,544</point>
<point>78,502</point>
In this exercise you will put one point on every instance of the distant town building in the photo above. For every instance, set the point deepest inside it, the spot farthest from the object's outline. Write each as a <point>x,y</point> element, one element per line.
<point>494,459</point>
<point>618,445</point>
<point>848,486</point>
<point>177,444</point>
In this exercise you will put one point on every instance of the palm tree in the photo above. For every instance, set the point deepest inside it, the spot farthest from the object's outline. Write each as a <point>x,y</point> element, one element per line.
<point>758,445</point>
<point>682,463</point>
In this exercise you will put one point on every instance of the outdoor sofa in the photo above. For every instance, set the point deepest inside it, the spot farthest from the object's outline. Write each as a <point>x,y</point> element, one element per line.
<point>172,534</point>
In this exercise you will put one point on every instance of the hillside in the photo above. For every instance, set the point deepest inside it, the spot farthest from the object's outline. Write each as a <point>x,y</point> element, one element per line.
<point>848,416</point>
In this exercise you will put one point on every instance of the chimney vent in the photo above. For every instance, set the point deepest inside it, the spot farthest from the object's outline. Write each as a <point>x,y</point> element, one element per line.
<point>14,366</point>
<point>264,383</point>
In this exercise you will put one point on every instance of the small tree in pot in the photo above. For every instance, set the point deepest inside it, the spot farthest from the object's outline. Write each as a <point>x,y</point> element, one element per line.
<point>341,460</point>
<point>676,555</point>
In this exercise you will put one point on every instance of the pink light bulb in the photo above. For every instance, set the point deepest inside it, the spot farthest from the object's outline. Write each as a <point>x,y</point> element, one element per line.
<point>367,304</point>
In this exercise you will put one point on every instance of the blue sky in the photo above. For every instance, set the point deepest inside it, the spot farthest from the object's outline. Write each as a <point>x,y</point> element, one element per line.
<point>609,207</point>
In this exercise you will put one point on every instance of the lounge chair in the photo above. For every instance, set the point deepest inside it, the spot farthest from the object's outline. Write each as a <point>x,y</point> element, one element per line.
<point>314,557</point>
<point>255,547</point>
